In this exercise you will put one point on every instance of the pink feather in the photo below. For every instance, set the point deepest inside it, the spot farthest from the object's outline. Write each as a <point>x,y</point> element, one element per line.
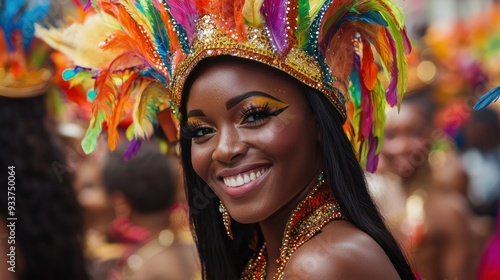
<point>185,12</point>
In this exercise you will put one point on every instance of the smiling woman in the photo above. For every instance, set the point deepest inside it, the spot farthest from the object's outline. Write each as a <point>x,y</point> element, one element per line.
<point>280,108</point>
<point>264,143</point>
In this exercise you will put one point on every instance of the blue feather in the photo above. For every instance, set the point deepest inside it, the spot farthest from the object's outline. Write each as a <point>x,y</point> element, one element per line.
<point>153,74</point>
<point>8,23</point>
<point>21,15</point>
<point>489,97</point>
<point>355,88</point>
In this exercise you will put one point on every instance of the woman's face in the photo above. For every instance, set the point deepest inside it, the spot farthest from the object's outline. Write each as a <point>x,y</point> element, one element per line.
<point>407,140</point>
<point>255,140</point>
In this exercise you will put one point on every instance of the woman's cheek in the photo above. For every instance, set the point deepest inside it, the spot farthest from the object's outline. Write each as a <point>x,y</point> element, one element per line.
<point>279,138</point>
<point>201,159</point>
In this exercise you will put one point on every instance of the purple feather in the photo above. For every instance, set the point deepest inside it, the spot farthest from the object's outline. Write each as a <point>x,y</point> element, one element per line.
<point>132,149</point>
<point>367,112</point>
<point>406,42</point>
<point>274,12</point>
<point>372,157</point>
<point>185,12</point>
<point>392,92</point>
<point>88,5</point>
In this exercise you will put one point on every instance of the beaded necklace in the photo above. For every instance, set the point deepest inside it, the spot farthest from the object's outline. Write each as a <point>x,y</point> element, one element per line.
<point>309,217</point>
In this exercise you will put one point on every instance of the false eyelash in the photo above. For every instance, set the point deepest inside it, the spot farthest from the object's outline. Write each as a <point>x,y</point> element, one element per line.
<point>245,112</point>
<point>265,110</point>
<point>188,129</point>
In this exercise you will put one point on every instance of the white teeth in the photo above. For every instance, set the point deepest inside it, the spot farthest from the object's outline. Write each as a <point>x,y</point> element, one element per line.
<point>243,178</point>
<point>239,181</point>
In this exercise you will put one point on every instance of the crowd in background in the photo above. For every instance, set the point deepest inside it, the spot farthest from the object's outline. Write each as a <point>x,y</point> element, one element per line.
<point>100,215</point>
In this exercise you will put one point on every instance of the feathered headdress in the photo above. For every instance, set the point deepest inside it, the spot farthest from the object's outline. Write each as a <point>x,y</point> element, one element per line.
<point>329,45</point>
<point>21,71</point>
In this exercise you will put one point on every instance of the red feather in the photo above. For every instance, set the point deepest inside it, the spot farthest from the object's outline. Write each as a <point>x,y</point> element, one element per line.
<point>369,69</point>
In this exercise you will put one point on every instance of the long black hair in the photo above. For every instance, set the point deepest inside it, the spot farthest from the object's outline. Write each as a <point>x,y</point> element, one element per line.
<point>222,258</point>
<point>49,222</point>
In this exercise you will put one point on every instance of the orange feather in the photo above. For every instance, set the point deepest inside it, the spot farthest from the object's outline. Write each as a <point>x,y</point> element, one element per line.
<point>172,35</point>
<point>339,53</point>
<point>368,68</point>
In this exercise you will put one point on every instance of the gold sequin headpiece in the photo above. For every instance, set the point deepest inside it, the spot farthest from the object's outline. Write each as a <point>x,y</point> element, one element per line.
<point>329,45</point>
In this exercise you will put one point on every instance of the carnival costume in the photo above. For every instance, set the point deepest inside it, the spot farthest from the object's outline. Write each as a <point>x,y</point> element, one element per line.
<point>328,45</point>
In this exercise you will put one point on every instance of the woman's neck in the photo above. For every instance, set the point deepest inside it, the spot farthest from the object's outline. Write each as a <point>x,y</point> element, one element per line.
<point>273,227</point>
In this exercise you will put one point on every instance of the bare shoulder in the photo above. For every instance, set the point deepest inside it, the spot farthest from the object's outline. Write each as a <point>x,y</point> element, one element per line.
<point>340,251</point>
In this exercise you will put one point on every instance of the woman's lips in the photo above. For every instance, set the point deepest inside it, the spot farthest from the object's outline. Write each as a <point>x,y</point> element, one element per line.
<point>234,187</point>
<point>243,178</point>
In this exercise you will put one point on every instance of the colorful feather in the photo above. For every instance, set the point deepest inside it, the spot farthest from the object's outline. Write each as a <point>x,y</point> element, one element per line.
<point>229,16</point>
<point>368,66</point>
<point>489,97</point>
<point>252,14</point>
<point>185,12</point>
<point>79,42</point>
<point>133,148</point>
<point>303,23</point>
<point>280,16</point>
<point>149,96</point>
<point>167,22</point>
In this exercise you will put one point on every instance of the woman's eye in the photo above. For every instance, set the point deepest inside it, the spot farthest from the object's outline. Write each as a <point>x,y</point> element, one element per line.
<point>195,130</point>
<point>255,116</point>
<point>202,131</point>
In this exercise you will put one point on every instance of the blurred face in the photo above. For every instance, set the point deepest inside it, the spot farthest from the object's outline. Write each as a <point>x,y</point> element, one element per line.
<point>407,141</point>
<point>254,138</point>
<point>90,189</point>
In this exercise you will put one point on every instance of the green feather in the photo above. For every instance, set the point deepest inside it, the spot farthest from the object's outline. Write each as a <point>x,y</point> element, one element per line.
<point>95,127</point>
<point>303,24</point>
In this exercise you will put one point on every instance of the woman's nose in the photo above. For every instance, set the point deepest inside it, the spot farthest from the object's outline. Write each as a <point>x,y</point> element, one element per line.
<point>229,145</point>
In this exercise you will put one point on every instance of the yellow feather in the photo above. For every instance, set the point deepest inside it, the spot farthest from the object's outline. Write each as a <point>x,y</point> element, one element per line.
<point>149,94</point>
<point>314,6</point>
<point>251,13</point>
<point>138,16</point>
<point>79,42</point>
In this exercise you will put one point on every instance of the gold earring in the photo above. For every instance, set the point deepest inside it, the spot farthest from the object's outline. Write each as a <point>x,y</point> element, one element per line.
<point>226,219</point>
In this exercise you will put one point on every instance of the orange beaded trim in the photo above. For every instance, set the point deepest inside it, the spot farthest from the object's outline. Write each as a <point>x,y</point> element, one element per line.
<point>310,216</point>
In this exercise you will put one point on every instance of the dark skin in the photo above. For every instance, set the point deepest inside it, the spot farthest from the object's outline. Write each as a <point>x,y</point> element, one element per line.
<point>279,136</point>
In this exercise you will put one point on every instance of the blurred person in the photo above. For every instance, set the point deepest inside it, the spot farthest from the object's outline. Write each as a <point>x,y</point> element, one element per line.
<point>44,241</point>
<point>489,268</point>
<point>152,225</point>
<point>101,252</point>
<point>48,230</point>
<point>482,160</point>
<point>431,222</point>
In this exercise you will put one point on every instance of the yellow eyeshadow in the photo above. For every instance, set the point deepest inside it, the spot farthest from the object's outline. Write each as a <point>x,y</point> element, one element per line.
<point>270,102</point>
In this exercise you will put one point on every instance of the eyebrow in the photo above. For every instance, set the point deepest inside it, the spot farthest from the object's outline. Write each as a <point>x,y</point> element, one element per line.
<point>195,113</point>
<point>237,99</point>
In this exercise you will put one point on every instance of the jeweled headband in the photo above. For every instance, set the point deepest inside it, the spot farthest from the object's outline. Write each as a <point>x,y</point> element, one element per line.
<point>329,45</point>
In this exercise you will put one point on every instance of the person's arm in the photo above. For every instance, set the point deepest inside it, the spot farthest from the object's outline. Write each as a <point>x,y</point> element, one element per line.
<point>341,251</point>
<point>456,235</point>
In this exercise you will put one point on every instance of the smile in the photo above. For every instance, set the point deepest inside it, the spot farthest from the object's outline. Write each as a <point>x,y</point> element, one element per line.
<point>243,178</point>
